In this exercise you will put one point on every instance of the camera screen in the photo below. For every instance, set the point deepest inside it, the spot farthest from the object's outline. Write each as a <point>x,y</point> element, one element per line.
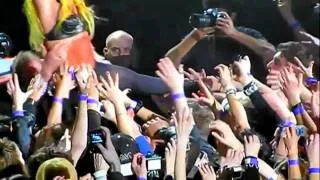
<point>154,164</point>
<point>300,130</point>
<point>96,138</point>
<point>126,169</point>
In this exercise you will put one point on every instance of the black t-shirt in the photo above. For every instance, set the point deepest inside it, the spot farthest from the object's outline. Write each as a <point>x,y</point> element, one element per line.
<point>210,52</point>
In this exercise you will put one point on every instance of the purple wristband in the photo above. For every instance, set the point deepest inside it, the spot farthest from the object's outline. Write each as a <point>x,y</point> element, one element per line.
<point>283,124</point>
<point>141,178</point>
<point>177,96</point>
<point>17,114</point>
<point>314,170</point>
<point>92,101</point>
<point>252,161</point>
<point>311,81</point>
<point>83,97</point>
<point>298,109</point>
<point>294,25</point>
<point>72,73</point>
<point>293,162</point>
<point>58,100</point>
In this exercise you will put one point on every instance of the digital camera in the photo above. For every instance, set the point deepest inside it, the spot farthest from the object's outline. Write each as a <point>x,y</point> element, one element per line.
<point>207,19</point>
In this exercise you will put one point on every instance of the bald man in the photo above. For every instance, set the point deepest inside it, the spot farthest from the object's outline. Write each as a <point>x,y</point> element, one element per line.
<point>118,48</point>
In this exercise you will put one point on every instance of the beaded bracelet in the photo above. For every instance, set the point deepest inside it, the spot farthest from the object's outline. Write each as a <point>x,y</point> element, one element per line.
<point>314,170</point>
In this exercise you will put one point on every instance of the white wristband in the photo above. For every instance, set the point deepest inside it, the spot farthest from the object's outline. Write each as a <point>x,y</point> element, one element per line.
<point>102,174</point>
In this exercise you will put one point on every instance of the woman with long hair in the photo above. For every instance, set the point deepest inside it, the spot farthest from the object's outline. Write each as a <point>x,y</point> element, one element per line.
<point>61,30</point>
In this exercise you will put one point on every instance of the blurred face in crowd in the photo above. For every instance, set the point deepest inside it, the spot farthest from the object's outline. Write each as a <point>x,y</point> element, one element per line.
<point>86,177</point>
<point>118,48</point>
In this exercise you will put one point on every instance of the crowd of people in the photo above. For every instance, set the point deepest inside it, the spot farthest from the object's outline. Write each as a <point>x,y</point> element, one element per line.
<point>230,104</point>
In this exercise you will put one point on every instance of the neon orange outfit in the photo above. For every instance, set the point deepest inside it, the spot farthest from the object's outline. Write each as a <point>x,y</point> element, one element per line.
<point>68,41</point>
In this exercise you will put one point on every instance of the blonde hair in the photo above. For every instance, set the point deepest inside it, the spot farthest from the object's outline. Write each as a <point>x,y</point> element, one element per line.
<point>56,167</point>
<point>37,35</point>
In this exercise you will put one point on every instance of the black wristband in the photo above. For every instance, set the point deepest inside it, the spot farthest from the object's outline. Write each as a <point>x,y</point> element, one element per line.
<point>138,107</point>
<point>250,88</point>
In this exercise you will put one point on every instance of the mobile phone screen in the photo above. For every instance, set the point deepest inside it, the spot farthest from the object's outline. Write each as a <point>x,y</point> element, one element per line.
<point>96,137</point>
<point>126,169</point>
<point>154,164</point>
<point>300,129</point>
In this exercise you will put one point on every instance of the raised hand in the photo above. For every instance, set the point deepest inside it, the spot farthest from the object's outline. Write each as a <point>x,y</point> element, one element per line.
<point>93,82</point>
<point>291,141</point>
<point>223,133</point>
<point>242,70</point>
<point>170,75</point>
<point>109,153</point>
<point>82,76</point>
<point>18,96</point>
<point>226,24</point>
<point>291,85</point>
<point>110,88</point>
<point>232,158</point>
<point>312,148</point>
<point>139,165</point>
<point>193,75</point>
<point>251,145</point>
<point>212,83</point>
<point>38,87</point>
<point>225,75</point>
<point>204,97</point>
<point>306,70</point>
<point>110,112</point>
<point>274,79</point>
<point>64,82</point>
<point>207,172</point>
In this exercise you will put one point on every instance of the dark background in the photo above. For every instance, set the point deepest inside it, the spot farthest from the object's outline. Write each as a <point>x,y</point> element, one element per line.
<point>159,25</point>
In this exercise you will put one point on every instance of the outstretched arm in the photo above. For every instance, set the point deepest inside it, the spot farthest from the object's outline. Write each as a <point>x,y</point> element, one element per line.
<point>180,50</point>
<point>132,80</point>
<point>260,46</point>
